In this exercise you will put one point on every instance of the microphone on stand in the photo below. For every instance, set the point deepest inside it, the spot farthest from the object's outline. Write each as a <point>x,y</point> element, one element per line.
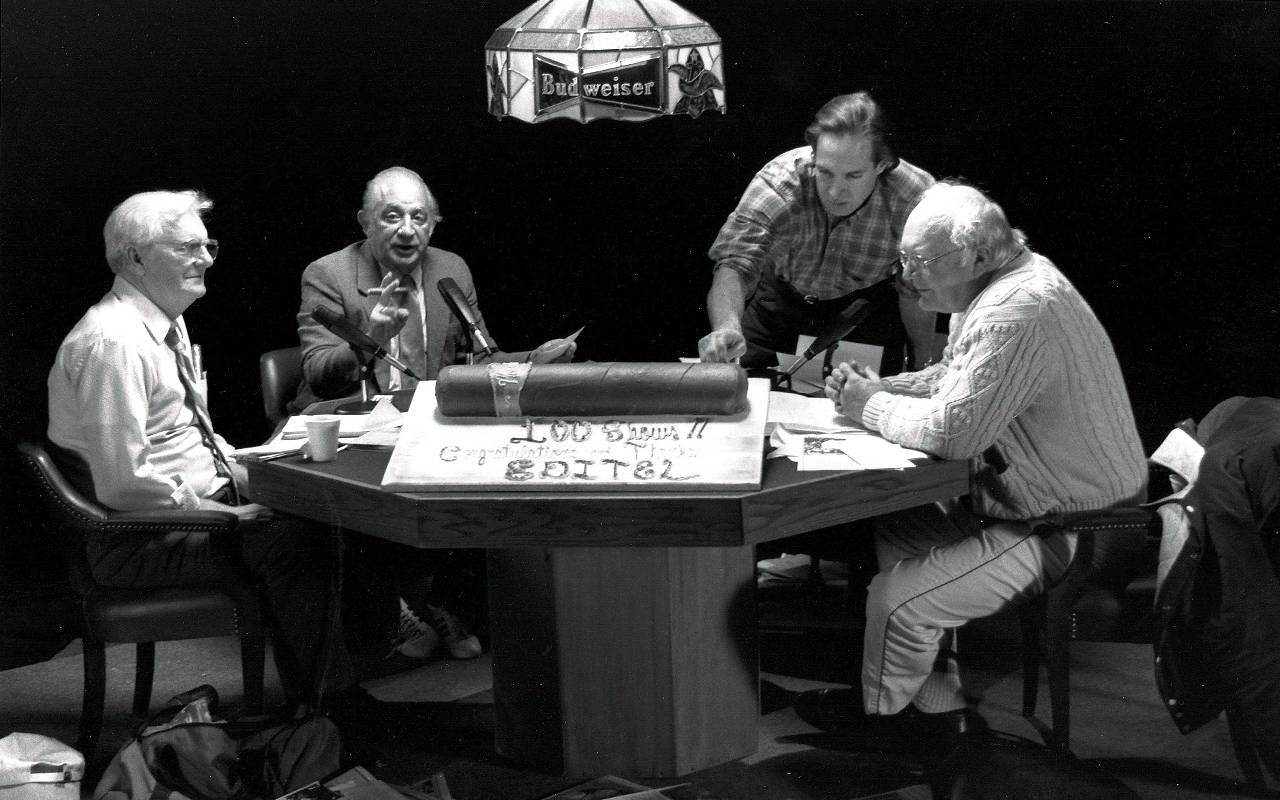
<point>839,328</point>
<point>457,302</point>
<point>341,327</point>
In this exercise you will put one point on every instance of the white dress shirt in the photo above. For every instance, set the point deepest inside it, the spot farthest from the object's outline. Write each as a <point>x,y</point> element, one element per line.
<point>116,399</point>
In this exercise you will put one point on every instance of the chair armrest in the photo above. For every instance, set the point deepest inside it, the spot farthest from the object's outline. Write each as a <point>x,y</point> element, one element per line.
<point>174,520</point>
<point>1114,545</point>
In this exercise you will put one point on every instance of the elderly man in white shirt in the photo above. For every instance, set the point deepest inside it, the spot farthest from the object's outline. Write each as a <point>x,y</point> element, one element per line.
<point>129,422</point>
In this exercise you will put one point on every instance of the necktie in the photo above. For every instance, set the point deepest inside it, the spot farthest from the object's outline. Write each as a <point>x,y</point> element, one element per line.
<point>186,373</point>
<point>412,346</point>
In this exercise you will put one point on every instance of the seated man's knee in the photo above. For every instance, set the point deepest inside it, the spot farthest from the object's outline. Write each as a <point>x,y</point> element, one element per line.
<point>895,601</point>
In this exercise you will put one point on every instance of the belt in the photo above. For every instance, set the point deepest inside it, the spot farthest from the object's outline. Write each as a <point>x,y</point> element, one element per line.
<point>789,292</point>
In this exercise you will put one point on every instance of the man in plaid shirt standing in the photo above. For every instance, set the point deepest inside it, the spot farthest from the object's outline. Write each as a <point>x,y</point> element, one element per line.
<point>817,229</point>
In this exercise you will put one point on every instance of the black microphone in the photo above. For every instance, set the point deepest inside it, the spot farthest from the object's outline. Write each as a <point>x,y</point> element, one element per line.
<point>341,327</point>
<point>457,302</point>
<point>839,328</point>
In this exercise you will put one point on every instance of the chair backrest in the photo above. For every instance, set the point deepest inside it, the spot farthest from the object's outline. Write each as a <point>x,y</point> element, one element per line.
<point>281,372</point>
<point>74,514</point>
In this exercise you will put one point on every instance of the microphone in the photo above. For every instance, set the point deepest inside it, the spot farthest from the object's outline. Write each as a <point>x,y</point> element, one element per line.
<point>457,302</point>
<point>839,328</point>
<point>341,327</point>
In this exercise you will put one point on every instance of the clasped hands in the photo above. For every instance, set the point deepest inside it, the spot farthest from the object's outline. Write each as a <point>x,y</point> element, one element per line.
<point>850,386</point>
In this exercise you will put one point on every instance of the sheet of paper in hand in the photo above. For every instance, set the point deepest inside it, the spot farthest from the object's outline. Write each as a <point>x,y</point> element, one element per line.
<point>593,454</point>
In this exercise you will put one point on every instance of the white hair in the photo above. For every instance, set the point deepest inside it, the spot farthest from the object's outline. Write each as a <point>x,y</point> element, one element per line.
<point>145,217</point>
<point>971,219</point>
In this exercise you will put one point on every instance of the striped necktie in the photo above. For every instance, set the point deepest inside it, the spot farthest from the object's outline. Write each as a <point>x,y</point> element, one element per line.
<point>186,373</point>
<point>412,343</point>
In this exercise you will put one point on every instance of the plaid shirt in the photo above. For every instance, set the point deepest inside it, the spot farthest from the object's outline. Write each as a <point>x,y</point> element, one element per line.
<point>780,226</point>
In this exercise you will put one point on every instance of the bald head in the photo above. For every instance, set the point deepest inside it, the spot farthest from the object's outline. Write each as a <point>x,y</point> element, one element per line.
<point>398,216</point>
<point>396,179</point>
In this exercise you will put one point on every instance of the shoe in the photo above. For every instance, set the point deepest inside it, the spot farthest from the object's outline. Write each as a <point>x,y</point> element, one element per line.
<point>453,633</point>
<point>841,713</point>
<point>414,638</point>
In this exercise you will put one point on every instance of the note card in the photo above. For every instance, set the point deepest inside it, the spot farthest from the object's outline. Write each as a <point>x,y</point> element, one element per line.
<point>625,453</point>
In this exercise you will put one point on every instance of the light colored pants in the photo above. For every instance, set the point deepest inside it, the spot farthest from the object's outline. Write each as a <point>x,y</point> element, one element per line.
<point>940,566</point>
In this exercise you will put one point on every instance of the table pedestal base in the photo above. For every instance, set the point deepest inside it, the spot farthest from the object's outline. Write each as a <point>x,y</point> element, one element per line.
<point>625,660</point>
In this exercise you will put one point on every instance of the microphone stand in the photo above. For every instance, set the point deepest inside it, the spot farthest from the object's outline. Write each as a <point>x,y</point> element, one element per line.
<point>367,379</point>
<point>780,380</point>
<point>469,344</point>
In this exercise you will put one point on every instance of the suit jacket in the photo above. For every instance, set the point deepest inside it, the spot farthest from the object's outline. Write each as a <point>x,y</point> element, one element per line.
<point>1218,608</point>
<point>340,281</point>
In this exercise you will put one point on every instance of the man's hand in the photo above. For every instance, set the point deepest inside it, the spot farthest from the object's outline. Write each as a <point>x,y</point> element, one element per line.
<point>850,386</point>
<point>721,345</point>
<point>554,350</point>
<point>249,512</point>
<point>390,314</point>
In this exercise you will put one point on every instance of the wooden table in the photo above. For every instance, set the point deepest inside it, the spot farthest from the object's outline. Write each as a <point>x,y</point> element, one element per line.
<point>623,625</point>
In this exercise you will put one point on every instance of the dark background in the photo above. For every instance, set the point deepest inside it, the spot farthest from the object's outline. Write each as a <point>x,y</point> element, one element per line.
<point>1138,145</point>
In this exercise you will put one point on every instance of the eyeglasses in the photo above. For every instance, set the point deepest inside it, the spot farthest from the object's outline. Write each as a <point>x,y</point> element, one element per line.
<point>917,263</point>
<point>192,248</point>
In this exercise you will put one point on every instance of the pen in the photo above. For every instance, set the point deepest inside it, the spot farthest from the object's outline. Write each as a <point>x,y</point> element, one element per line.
<point>286,453</point>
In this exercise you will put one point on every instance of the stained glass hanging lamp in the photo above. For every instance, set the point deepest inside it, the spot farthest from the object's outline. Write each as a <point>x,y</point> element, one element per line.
<point>628,60</point>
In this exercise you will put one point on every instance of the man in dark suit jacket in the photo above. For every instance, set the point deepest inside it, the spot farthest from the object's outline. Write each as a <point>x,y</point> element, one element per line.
<point>386,286</point>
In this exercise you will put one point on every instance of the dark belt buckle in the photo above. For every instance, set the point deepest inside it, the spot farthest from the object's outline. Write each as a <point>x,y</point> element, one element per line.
<point>811,299</point>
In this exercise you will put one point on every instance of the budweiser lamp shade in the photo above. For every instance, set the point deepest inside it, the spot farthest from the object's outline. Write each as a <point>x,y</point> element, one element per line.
<point>585,60</point>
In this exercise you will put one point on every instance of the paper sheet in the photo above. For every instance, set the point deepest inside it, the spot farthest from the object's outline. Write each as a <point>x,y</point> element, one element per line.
<point>800,414</point>
<point>841,451</point>
<point>383,416</point>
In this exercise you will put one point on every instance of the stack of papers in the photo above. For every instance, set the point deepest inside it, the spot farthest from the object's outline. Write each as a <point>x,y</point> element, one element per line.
<point>384,416</point>
<point>381,426</point>
<point>841,451</point>
<point>799,414</point>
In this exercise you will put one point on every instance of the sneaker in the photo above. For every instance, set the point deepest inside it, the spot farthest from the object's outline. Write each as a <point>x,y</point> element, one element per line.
<point>414,638</point>
<point>453,633</point>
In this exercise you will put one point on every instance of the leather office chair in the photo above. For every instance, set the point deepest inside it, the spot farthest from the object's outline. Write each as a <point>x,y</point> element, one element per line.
<point>281,372</point>
<point>144,616</point>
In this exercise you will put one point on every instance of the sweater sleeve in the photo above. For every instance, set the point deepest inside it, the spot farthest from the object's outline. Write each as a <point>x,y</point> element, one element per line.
<point>994,366</point>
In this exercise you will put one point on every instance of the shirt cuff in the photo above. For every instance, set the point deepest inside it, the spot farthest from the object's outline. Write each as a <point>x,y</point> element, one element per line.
<point>876,409</point>
<point>185,497</point>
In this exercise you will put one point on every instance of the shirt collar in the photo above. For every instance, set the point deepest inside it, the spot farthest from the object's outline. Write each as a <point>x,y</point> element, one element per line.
<point>156,321</point>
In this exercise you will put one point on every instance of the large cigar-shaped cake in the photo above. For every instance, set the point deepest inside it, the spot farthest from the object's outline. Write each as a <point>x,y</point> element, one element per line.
<point>591,389</point>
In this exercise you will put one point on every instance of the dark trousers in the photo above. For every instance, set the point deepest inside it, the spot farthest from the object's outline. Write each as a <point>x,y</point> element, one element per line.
<point>292,559</point>
<point>379,573</point>
<point>777,314</point>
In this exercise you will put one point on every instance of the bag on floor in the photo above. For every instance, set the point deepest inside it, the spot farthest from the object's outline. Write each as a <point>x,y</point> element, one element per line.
<point>184,753</point>
<point>35,767</point>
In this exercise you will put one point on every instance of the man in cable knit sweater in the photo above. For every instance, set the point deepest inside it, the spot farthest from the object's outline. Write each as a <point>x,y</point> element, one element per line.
<point>1029,390</point>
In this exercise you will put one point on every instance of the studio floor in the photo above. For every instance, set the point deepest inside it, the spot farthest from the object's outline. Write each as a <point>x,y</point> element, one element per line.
<point>1122,736</point>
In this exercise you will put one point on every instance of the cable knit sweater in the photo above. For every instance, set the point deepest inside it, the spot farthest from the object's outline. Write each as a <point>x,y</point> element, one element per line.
<point>1029,369</point>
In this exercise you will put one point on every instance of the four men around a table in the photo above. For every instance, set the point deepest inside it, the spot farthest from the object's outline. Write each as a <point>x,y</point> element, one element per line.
<point>386,285</point>
<point>129,423</point>
<point>1030,391</point>
<point>816,230</point>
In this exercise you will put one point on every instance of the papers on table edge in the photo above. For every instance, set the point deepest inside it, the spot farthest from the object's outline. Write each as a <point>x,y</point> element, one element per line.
<point>380,427</point>
<point>808,431</point>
